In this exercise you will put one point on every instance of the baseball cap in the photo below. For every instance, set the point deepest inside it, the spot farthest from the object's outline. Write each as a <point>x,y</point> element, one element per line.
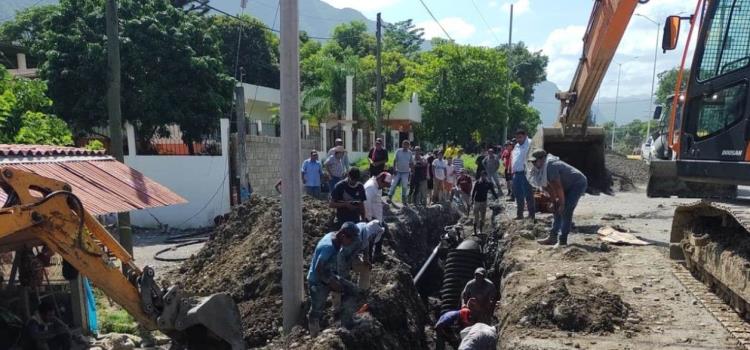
<point>385,177</point>
<point>374,228</point>
<point>538,154</point>
<point>480,271</point>
<point>378,140</point>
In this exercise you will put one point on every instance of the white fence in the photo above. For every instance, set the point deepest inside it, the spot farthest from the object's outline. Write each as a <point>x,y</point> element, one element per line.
<point>202,180</point>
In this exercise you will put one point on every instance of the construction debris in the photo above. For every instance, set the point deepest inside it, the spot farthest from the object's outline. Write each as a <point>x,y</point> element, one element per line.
<point>626,173</point>
<point>613,235</point>
<point>243,259</point>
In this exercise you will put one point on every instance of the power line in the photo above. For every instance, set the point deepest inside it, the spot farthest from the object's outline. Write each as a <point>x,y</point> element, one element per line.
<point>485,21</point>
<point>436,21</point>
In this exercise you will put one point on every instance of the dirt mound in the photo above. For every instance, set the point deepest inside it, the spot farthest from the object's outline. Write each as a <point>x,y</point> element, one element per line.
<point>571,304</point>
<point>626,172</point>
<point>244,259</point>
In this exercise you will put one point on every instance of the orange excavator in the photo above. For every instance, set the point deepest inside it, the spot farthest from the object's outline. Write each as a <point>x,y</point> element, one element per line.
<point>45,211</point>
<point>708,155</point>
<point>572,138</point>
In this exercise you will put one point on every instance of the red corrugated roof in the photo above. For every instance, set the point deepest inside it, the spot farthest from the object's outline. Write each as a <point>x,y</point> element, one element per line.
<point>103,184</point>
<point>44,151</point>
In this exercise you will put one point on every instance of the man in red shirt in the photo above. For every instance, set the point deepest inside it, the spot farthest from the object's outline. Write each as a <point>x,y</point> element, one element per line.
<point>505,156</point>
<point>464,183</point>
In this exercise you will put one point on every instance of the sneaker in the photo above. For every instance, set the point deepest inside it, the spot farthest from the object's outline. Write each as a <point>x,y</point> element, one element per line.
<point>559,245</point>
<point>389,200</point>
<point>518,218</point>
<point>550,240</point>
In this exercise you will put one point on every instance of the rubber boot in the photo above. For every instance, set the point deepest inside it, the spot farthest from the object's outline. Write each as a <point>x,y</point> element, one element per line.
<point>314,327</point>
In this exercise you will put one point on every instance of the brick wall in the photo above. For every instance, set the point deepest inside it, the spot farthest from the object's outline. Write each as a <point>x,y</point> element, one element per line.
<point>264,160</point>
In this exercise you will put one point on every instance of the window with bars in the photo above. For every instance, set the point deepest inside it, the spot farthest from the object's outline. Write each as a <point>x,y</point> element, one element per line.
<point>728,39</point>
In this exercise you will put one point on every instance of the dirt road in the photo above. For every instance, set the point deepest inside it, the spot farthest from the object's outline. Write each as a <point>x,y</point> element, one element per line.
<point>662,314</point>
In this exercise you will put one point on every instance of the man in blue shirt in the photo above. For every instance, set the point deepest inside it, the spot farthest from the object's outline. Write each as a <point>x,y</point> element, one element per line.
<point>322,278</point>
<point>312,171</point>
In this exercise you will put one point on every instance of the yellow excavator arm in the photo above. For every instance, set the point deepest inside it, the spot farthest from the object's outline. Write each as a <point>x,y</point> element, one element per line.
<point>41,210</point>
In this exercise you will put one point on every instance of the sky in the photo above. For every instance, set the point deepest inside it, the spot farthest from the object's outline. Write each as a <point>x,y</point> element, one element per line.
<point>556,27</point>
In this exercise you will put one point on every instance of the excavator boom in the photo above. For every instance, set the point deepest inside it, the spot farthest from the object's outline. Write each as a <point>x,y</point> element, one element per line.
<point>40,210</point>
<point>572,138</point>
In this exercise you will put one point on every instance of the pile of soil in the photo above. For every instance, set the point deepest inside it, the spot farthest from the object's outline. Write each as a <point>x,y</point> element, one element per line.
<point>626,172</point>
<point>244,260</point>
<point>571,304</point>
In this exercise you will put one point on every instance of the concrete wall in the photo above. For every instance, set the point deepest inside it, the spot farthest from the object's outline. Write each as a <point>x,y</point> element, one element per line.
<point>264,161</point>
<point>202,180</point>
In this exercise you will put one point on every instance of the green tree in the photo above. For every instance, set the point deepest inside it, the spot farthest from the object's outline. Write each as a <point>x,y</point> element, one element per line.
<point>668,82</point>
<point>172,69</point>
<point>403,37</point>
<point>327,98</point>
<point>462,90</point>
<point>25,29</point>
<point>528,68</point>
<point>258,60</point>
<point>354,36</point>
<point>24,116</point>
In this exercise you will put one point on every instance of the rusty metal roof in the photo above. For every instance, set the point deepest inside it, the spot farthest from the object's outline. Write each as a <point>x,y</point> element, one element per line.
<point>103,184</point>
<point>44,151</point>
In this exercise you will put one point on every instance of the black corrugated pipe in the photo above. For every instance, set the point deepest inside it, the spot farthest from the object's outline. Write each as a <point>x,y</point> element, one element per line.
<point>459,269</point>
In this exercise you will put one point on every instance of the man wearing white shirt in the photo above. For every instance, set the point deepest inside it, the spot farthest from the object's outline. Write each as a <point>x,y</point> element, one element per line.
<point>521,187</point>
<point>374,194</point>
<point>440,173</point>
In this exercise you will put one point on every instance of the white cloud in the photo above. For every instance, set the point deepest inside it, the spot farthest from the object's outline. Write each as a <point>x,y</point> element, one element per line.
<point>492,4</point>
<point>564,41</point>
<point>362,5</point>
<point>457,27</point>
<point>519,7</point>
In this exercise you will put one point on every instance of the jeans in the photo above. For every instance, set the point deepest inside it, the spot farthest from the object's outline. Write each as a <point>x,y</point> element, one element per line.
<point>332,183</point>
<point>313,191</point>
<point>420,193</point>
<point>401,178</point>
<point>480,211</point>
<point>494,178</point>
<point>561,226</point>
<point>523,192</point>
<point>318,295</point>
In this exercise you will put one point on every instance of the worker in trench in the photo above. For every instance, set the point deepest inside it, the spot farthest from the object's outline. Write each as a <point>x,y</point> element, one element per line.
<point>323,276</point>
<point>348,197</point>
<point>480,295</point>
<point>565,184</point>
<point>479,200</point>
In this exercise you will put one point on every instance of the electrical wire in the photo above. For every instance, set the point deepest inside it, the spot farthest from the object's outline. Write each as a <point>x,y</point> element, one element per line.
<point>485,21</point>
<point>436,21</point>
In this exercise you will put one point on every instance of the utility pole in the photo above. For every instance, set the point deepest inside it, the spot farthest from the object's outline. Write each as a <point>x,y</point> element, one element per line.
<point>114,111</point>
<point>617,99</point>
<point>291,197</point>
<point>239,106</point>
<point>378,78</point>
<point>507,100</point>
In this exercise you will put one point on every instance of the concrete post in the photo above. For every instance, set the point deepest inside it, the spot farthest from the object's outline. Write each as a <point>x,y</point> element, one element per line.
<point>292,266</point>
<point>306,128</point>
<point>411,136</point>
<point>360,144</point>
<point>348,137</point>
<point>130,133</point>
<point>259,126</point>
<point>323,138</point>
<point>394,137</point>
<point>372,140</point>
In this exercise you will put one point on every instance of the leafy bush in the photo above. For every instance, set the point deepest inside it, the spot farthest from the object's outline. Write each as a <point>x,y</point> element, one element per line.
<point>95,145</point>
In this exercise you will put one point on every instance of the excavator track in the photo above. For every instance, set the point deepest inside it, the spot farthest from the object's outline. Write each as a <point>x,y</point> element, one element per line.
<point>713,240</point>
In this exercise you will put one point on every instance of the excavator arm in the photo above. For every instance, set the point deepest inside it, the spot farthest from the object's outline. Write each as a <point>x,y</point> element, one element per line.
<point>571,138</point>
<point>40,210</point>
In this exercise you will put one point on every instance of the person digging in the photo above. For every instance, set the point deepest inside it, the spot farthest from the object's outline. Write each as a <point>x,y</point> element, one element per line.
<point>323,276</point>
<point>565,184</point>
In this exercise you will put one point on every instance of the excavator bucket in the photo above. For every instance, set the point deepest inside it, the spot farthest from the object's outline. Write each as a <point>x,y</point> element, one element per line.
<point>663,182</point>
<point>211,322</point>
<point>585,152</point>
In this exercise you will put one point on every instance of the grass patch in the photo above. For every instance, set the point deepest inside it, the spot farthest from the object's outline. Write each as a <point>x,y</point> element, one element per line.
<point>111,317</point>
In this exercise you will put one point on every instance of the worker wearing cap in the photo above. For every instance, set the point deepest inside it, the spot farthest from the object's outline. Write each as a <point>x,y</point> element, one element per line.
<point>485,293</point>
<point>323,276</point>
<point>450,320</point>
<point>374,195</point>
<point>345,157</point>
<point>565,185</point>
<point>335,166</point>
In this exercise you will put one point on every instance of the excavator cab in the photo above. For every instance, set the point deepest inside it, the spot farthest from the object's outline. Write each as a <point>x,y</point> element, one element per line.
<point>43,211</point>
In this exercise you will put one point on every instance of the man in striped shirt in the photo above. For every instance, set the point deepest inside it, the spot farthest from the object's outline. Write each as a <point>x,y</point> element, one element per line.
<point>458,162</point>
